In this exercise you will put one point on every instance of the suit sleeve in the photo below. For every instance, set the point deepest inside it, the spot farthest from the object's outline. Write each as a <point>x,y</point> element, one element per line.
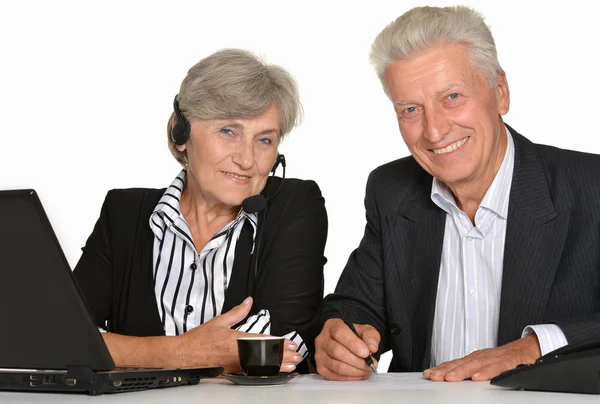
<point>93,272</point>
<point>291,283</point>
<point>580,330</point>
<point>359,293</point>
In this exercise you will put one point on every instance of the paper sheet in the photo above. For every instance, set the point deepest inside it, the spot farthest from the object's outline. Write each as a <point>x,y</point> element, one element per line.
<point>382,381</point>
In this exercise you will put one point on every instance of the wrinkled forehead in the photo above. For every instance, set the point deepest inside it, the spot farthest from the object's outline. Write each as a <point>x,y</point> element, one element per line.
<point>430,72</point>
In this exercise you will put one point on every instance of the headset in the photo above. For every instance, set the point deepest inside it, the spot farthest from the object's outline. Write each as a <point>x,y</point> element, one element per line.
<point>180,131</point>
<point>180,134</point>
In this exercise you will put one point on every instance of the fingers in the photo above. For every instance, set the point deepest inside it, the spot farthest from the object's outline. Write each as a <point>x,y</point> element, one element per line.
<point>290,345</point>
<point>481,365</point>
<point>369,335</point>
<point>341,333</point>
<point>235,315</point>
<point>290,360</point>
<point>438,373</point>
<point>340,354</point>
<point>492,370</point>
<point>476,368</point>
<point>332,369</point>
<point>464,370</point>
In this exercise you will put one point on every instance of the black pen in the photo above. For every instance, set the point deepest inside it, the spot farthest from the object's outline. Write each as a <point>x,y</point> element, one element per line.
<point>368,359</point>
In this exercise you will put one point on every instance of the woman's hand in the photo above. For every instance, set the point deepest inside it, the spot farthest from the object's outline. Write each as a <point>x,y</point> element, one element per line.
<point>291,358</point>
<point>214,343</point>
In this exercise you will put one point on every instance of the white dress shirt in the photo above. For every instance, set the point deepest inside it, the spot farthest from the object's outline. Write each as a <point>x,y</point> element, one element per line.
<point>470,281</point>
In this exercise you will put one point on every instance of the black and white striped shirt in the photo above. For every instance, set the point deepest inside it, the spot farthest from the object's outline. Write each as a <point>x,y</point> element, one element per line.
<point>189,285</point>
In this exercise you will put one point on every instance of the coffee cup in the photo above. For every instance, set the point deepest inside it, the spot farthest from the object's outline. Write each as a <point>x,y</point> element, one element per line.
<point>260,356</point>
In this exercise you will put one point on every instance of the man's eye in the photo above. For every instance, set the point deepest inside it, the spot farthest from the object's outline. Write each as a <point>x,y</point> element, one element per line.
<point>410,110</point>
<point>453,96</point>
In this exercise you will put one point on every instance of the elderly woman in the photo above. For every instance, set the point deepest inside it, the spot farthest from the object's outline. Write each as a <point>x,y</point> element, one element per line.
<point>175,275</point>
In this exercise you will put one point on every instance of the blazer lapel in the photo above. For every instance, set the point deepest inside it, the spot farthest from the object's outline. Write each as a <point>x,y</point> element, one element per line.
<point>153,317</point>
<point>535,235</point>
<point>418,236</point>
<point>241,281</point>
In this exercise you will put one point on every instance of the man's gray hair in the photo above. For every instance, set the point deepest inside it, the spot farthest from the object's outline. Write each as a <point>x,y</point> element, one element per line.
<point>234,83</point>
<point>422,28</point>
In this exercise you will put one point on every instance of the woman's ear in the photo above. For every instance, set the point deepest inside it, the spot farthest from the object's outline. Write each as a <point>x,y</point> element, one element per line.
<point>180,148</point>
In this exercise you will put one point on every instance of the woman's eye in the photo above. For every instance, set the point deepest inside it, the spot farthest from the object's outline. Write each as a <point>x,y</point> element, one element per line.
<point>453,96</point>
<point>266,140</point>
<point>226,131</point>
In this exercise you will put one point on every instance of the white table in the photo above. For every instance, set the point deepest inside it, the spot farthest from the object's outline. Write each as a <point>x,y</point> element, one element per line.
<point>385,388</point>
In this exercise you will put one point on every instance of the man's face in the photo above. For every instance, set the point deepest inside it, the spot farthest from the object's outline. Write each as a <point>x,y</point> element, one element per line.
<point>449,116</point>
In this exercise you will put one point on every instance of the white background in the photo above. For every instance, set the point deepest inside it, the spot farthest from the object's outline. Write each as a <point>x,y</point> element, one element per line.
<point>86,88</point>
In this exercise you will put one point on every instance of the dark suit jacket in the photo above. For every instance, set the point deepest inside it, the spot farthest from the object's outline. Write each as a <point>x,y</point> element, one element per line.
<point>551,270</point>
<point>115,269</point>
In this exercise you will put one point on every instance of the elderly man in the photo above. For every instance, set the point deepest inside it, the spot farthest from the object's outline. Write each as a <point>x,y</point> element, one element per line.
<point>481,250</point>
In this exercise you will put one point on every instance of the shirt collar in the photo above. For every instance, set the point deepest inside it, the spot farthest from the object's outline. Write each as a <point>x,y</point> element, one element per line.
<point>169,202</point>
<point>496,197</point>
<point>498,194</point>
<point>168,206</point>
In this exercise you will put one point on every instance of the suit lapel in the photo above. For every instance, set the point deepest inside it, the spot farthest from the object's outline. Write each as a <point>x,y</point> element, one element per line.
<point>535,236</point>
<point>241,281</point>
<point>154,323</point>
<point>418,236</point>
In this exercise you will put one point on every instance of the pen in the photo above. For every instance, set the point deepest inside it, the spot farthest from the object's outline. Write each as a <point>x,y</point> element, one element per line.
<point>368,359</point>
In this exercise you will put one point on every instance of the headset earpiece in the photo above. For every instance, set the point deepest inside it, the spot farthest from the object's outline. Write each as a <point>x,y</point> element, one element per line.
<point>180,132</point>
<point>280,160</point>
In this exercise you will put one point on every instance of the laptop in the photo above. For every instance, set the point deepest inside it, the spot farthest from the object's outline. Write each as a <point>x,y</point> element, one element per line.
<point>48,340</point>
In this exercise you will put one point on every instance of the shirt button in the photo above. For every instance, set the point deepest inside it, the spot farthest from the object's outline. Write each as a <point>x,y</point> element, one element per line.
<point>473,292</point>
<point>189,309</point>
<point>193,266</point>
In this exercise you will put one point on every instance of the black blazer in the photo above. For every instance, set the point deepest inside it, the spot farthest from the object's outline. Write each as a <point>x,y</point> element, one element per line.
<point>551,270</point>
<point>115,270</point>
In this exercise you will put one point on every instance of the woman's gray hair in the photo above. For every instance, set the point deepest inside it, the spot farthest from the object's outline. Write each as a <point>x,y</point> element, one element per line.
<point>423,27</point>
<point>234,83</point>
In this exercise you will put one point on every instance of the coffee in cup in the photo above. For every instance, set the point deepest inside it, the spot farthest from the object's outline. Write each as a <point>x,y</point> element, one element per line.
<point>260,356</point>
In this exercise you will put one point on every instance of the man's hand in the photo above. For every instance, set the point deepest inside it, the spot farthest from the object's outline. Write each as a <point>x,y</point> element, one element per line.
<point>340,354</point>
<point>487,363</point>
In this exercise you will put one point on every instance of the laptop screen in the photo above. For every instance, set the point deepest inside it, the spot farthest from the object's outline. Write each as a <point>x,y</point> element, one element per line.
<point>45,323</point>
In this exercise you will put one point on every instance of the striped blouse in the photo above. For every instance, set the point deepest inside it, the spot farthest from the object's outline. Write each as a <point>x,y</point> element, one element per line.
<point>190,286</point>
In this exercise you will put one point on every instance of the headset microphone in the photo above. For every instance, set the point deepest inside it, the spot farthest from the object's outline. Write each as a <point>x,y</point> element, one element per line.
<point>256,203</point>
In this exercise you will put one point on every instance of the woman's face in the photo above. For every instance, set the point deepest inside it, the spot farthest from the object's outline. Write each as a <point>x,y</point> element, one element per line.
<point>230,159</point>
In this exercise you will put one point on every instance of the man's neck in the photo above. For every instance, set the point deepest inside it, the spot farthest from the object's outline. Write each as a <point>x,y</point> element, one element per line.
<point>468,194</point>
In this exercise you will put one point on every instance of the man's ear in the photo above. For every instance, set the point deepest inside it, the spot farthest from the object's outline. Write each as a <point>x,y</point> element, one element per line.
<point>502,94</point>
